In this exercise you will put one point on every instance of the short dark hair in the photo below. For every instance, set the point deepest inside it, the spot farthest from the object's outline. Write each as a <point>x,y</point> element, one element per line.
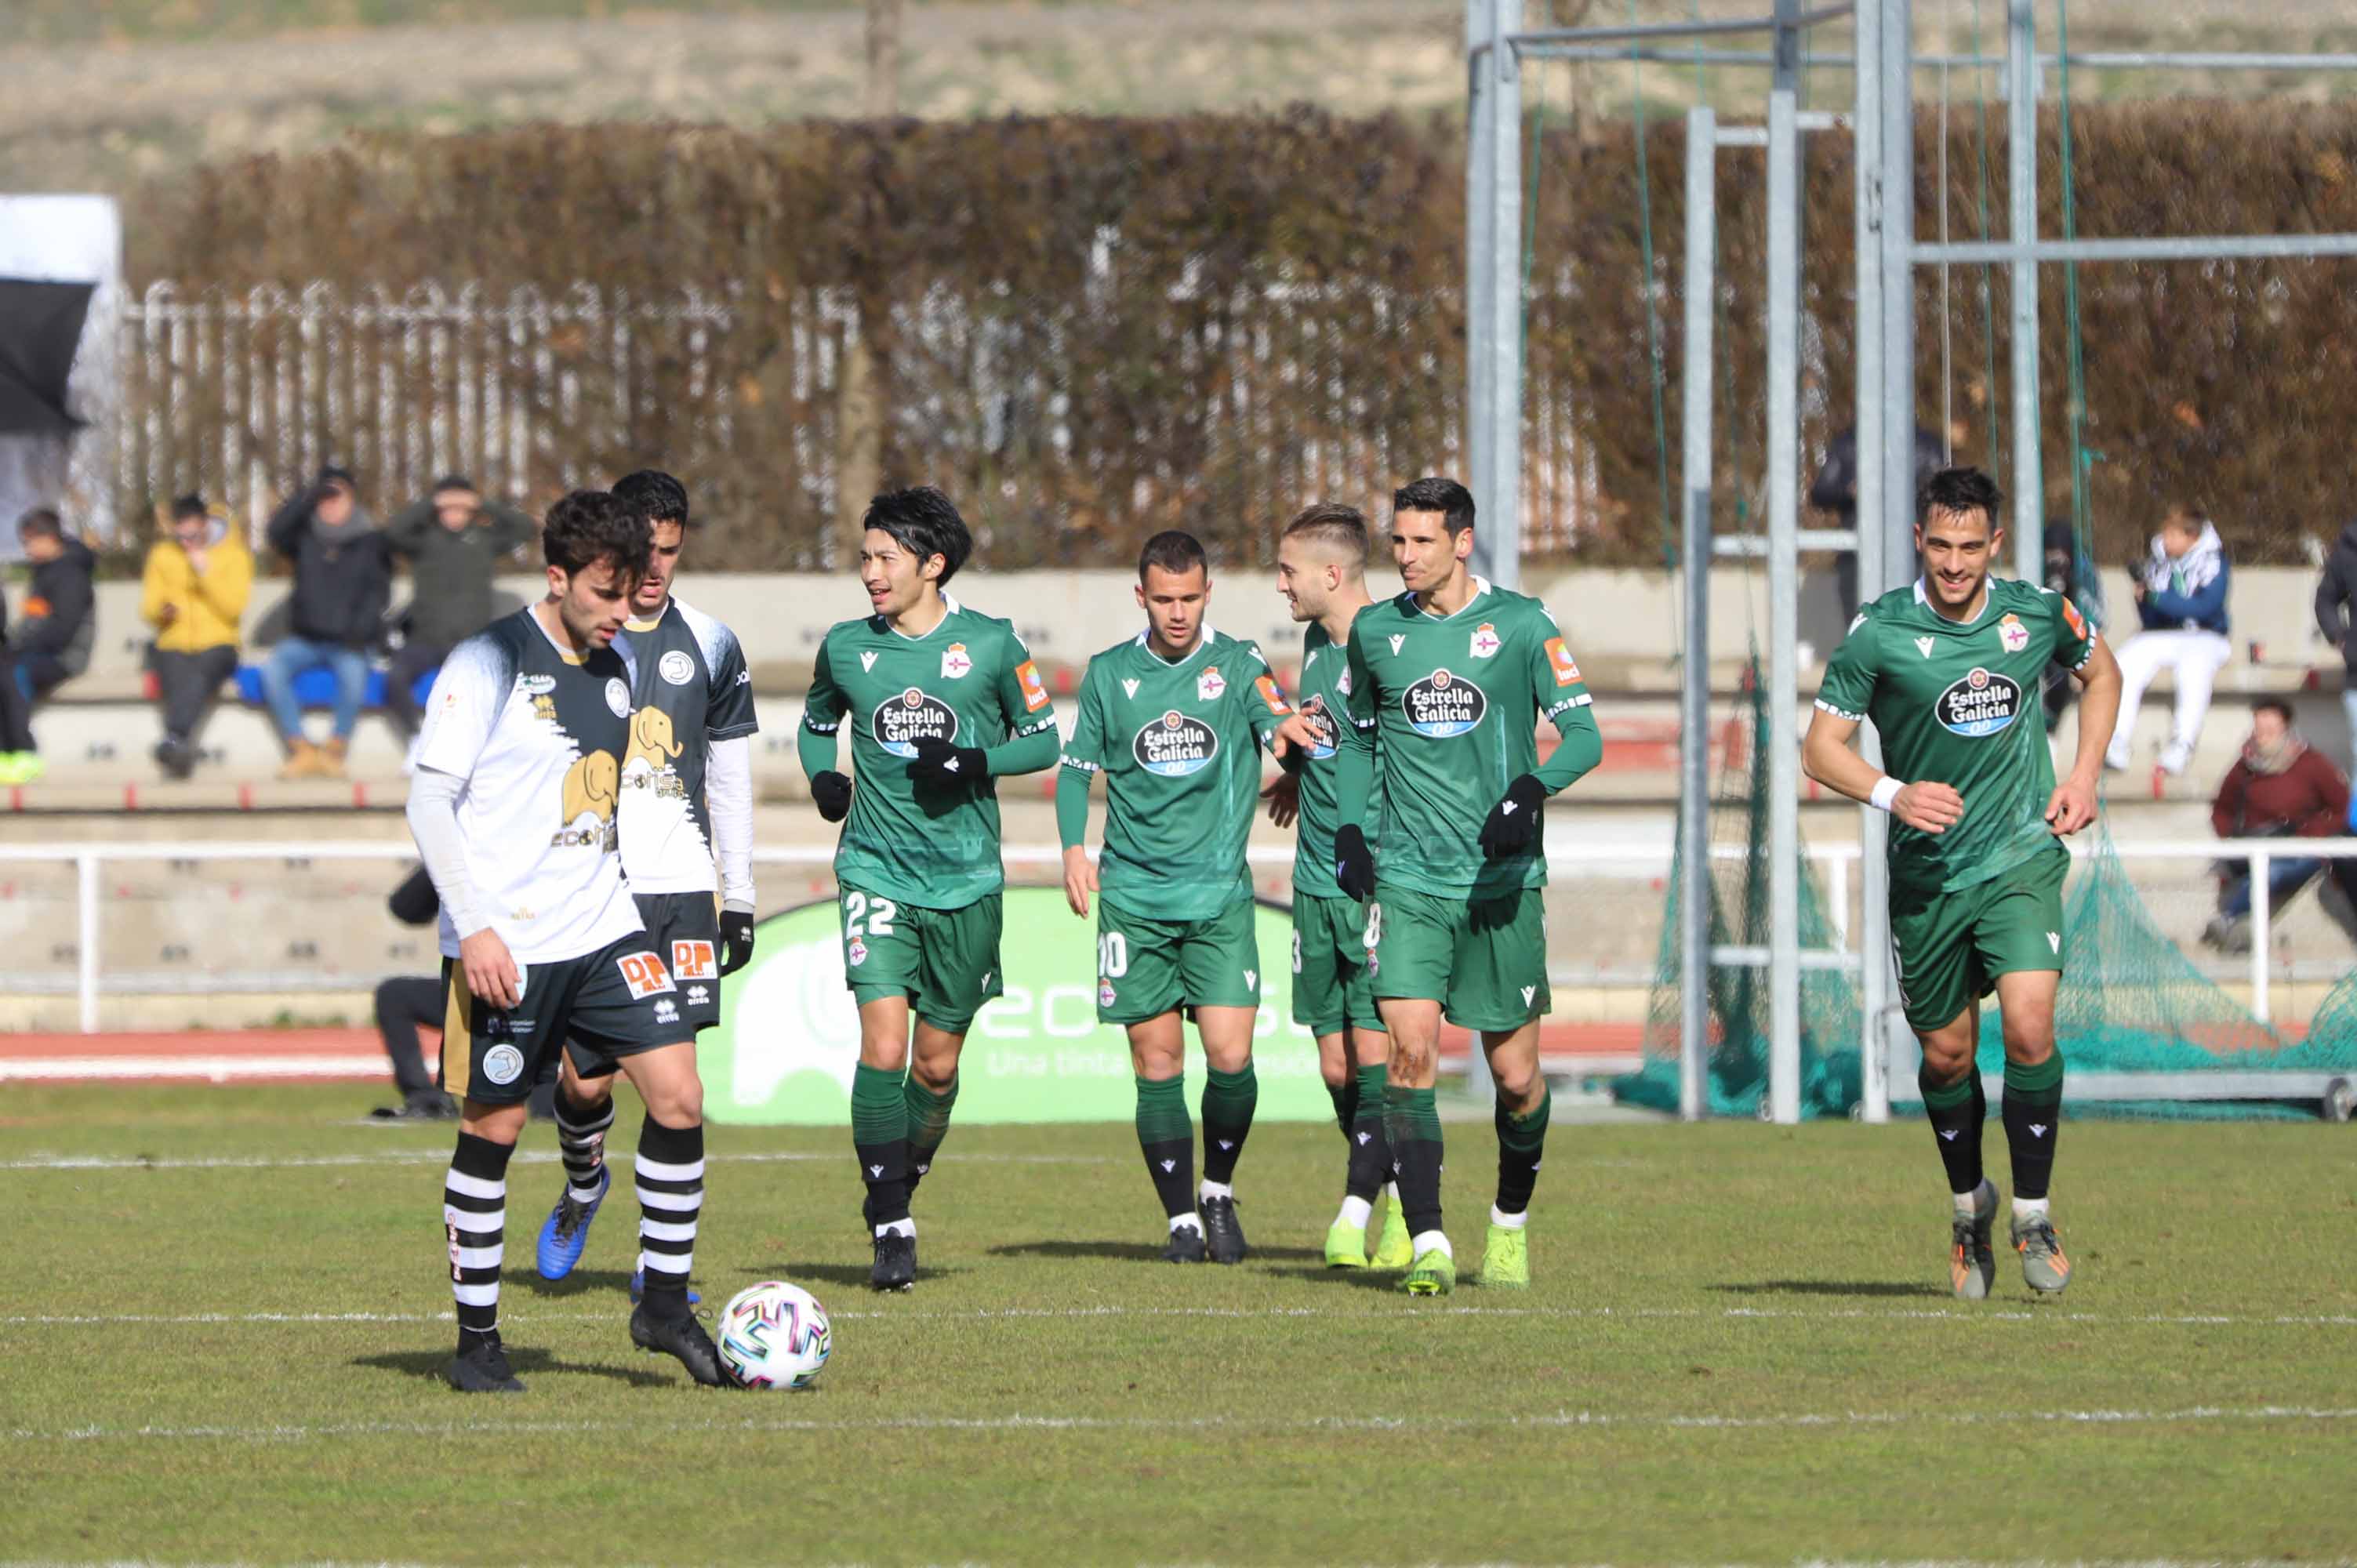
<point>1452,500</point>
<point>926,524</point>
<point>450,482</point>
<point>1331,522</point>
<point>2186,518</point>
<point>590,526</point>
<point>334,474</point>
<point>2276,705</point>
<point>189,505</point>
<point>1174,552</point>
<point>1959,490</point>
<point>655,493</point>
<point>41,523</point>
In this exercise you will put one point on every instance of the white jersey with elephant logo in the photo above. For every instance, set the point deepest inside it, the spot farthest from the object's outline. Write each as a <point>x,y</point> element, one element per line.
<point>690,688</point>
<point>539,736</point>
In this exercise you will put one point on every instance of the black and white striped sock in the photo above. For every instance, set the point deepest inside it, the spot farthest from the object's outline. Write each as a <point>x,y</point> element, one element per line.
<point>581,1143</point>
<point>671,1197</point>
<point>474,1220</point>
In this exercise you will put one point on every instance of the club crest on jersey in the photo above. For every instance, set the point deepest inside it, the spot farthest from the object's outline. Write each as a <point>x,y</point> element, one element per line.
<point>1343,682</point>
<point>1981,704</point>
<point>503,1064</point>
<point>1175,745</point>
<point>1209,684</point>
<point>1328,735</point>
<point>2013,634</point>
<point>1485,641</point>
<point>618,697</point>
<point>955,662</point>
<point>676,667</point>
<point>899,722</point>
<point>1443,705</point>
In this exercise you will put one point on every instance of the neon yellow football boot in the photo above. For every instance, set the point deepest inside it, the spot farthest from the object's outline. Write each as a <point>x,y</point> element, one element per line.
<point>1506,1261</point>
<point>1346,1245</point>
<point>1393,1249</point>
<point>1432,1273</point>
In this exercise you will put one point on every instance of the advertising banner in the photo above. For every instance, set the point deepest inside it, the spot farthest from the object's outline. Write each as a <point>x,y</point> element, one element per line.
<point>789,1037</point>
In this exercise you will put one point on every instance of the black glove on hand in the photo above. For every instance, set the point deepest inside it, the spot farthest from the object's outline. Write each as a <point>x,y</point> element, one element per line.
<point>832,793</point>
<point>944,765</point>
<point>1354,864</point>
<point>1292,758</point>
<point>1514,822</point>
<point>735,941</point>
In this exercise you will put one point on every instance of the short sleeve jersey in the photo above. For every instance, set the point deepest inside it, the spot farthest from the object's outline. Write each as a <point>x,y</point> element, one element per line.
<point>1454,702</point>
<point>1956,704</point>
<point>1179,744</point>
<point>969,680</point>
<point>1324,700</point>
<point>538,734</point>
<point>691,689</point>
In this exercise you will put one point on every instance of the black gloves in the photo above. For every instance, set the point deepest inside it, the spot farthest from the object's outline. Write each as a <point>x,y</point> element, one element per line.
<point>1292,758</point>
<point>415,902</point>
<point>945,765</point>
<point>1514,822</point>
<point>831,793</point>
<point>735,941</point>
<point>1354,863</point>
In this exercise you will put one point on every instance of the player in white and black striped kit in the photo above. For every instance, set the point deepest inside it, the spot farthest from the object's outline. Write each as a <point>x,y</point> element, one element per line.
<point>514,808</point>
<point>685,801</point>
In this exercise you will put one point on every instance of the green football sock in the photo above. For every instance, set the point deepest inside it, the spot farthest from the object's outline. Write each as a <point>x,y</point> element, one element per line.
<point>879,1131</point>
<point>1370,1150</point>
<point>1166,1136</point>
<point>1412,1118</point>
<point>1521,1140</point>
<point>1229,1099</point>
<point>929,1124</point>
<point>2033,1114</point>
<point>1345,1096</point>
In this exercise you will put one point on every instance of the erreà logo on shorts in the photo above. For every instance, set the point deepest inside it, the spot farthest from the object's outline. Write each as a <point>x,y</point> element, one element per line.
<point>899,722</point>
<point>1983,702</point>
<point>1175,745</point>
<point>1442,705</point>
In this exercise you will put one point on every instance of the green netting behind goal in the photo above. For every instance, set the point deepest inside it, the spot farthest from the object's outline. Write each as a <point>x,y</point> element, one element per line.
<point>1830,1026</point>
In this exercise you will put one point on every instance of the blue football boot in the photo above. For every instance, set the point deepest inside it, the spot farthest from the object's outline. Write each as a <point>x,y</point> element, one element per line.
<point>565,1234</point>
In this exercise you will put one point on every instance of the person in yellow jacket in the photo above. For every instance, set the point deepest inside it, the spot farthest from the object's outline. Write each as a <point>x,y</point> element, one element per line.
<point>193,593</point>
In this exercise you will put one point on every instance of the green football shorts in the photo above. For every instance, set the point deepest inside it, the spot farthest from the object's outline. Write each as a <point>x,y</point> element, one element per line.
<point>1331,985</point>
<point>945,961</point>
<point>1483,960</point>
<point>1147,968</point>
<point>1952,946</point>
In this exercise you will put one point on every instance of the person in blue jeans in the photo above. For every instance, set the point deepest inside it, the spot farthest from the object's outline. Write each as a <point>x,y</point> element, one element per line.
<point>343,582</point>
<point>2280,787</point>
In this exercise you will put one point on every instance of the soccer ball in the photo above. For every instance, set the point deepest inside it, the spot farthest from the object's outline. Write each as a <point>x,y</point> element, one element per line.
<point>774,1336</point>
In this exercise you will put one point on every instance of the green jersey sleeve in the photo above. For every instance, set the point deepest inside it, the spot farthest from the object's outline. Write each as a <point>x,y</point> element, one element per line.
<point>823,708</point>
<point>1084,750</point>
<point>1847,689</point>
<point>1556,686</point>
<point>2074,638</point>
<point>1265,705</point>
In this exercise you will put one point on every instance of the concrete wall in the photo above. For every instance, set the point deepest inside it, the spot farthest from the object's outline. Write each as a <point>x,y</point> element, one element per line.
<point>1608,615</point>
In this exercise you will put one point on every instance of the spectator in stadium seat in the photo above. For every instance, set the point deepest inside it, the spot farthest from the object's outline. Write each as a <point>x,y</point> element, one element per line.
<point>343,580</point>
<point>455,540</point>
<point>2280,787</point>
<point>193,592</point>
<point>2336,592</point>
<point>2181,594</point>
<point>51,643</point>
<point>1834,489</point>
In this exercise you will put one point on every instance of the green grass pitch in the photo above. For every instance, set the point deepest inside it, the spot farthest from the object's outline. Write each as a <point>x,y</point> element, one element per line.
<point>223,1312</point>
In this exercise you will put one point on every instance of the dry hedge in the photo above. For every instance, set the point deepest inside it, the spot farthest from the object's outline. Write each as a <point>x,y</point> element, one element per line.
<point>1093,327</point>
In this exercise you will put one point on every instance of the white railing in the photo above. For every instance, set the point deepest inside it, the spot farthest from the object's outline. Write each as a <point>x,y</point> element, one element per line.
<point>1612,861</point>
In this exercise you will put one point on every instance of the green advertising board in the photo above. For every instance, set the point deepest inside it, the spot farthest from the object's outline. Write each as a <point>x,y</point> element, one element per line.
<point>789,1037</point>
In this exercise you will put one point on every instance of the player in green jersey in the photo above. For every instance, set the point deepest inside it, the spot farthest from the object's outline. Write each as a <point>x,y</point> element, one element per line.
<point>1175,718</point>
<point>1447,683</point>
<point>941,702</point>
<point>1948,669</point>
<point>1321,571</point>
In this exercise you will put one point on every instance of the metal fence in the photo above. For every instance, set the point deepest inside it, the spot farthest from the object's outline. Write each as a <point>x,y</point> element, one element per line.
<point>243,395</point>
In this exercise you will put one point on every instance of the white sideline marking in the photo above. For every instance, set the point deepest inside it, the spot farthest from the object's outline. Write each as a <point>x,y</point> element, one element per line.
<point>426,1158</point>
<point>1555,1419</point>
<point>214,1069</point>
<point>1002,1314</point>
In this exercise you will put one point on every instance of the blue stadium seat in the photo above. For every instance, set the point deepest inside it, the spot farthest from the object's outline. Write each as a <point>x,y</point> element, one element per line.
<point>316,687</point>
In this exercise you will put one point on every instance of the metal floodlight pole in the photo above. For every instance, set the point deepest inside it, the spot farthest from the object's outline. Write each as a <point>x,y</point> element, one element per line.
<point>2021,192</point>
<point>2156,248</point>
<point>1896,523</point>
<point>1501,510</point>
<point>1783,606</point>
<point>1480,99</point>
<point>1874,872</point>
<point>1693,673</point>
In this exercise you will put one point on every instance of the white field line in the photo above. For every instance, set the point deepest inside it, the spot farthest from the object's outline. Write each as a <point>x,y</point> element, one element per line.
<point>1009,1314</point>
<point>1548,1421</point>
<point>435,1157</point>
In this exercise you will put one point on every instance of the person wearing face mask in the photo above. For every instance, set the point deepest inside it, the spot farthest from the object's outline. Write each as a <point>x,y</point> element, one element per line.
<point>193,592</point>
